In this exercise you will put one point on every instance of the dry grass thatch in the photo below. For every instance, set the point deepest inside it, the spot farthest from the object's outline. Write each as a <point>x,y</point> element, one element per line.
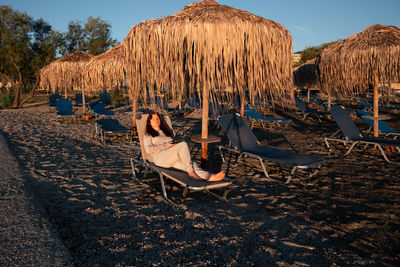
<point>210,46</point>
<point>305,75</point>
<point>64,73</point>
<point>106,71</point>
<point>354,64</point>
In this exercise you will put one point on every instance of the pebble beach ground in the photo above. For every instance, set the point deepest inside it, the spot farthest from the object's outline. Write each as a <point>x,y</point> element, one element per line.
<point>69,199</point>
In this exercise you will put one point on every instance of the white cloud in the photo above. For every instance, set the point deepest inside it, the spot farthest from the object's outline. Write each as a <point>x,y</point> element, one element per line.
<point>302,29</point>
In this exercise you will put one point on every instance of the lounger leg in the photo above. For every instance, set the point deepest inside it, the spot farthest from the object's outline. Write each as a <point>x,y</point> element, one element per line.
<point>327,144</point>
<point>164,191</point>
<point>222,154</point>
<point>383,154</point>
<point>133,168</point>
<point>102,136</point>
<point>351,148</point>
<point>184,193</point>
<point>263,167</point>
<point>289,178</point>
<point>222,197</point>
<point>238,159</point>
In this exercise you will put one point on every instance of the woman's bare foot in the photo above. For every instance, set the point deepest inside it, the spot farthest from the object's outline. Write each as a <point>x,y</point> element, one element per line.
<point>193,174</point>
<point>215,177</point>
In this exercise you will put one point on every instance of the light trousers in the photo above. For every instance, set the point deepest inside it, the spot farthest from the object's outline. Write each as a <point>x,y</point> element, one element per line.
<point>178,157</point>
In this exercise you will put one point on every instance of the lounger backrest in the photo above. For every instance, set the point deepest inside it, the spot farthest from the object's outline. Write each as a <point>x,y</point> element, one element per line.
<point>238,132</point>
<point>141,130</point>
<point>99,107</point>
<point>345,123</point>
<point>105,97</point>
<point>64,105</point>
<point>301,104</point>
<point>53,99</point>
<point>79,99</point>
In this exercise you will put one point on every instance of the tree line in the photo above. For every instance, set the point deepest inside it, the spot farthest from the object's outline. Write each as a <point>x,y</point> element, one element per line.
<point>28,44</point>
<point>312,52</point>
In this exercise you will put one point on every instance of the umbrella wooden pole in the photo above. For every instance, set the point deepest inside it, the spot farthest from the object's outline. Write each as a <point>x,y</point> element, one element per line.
<point>134,104</point>
<point>376,99</point>
<point>83,100</point>
<point>308,95</point>
<point>242,107</point>
<point>389,93</point>
<point>329,100</point>
<point>204,128</point>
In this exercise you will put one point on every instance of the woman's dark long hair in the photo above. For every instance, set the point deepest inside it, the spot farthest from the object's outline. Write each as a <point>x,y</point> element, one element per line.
<point>163,127</point>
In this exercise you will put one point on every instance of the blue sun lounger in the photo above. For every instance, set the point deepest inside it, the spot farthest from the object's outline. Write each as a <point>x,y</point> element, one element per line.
<point>255,117</point>
<point>53,99</point>
<point>64,108</point>
<point>305,110</point>
<point>178,176</point>
<point>110,126</point>
<point>99,109</point>
<point>105,98</point>
<point>245,143</point>
<point>352,135</point>
<point>382,126</point>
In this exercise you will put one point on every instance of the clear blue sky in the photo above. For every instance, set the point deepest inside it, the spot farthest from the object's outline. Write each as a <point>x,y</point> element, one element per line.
<point>311,22</point>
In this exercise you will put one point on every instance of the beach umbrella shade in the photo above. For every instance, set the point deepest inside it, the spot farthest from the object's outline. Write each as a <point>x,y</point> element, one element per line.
<point>207,46</point>
<point>65,73</point>
<point>306,76</point>
<point>361,61</point>
<point>106,71</point>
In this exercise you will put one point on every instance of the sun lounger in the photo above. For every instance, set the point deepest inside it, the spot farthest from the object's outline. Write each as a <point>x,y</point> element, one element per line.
<point>79,99</point>
<point>369,107</point>
<point>99,109</point>
<point>352,135</point>
<point>245,143</point>
<point>382,126</point>
<point>178,176</point>
<point>110,126</point>
<point>255,117</point>
<point>64,108</point>
<point>53,99</point>
<point>105,98</point>
<point>305,110</point>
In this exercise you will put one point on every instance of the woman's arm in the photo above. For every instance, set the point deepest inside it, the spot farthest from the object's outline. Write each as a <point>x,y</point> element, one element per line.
<point>152,145</point>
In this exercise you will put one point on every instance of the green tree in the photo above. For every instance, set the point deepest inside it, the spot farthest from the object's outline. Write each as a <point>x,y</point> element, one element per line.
<point>74,38</point>
<point>26,46</point>
<point>98,36</point>
<point>94,37</point>
<point>312,52</point>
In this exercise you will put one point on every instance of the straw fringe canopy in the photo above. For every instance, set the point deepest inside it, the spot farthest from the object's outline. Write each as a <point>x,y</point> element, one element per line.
<point>210,46</point>
<point>106,71</point>
<point>305,75</point>
<point>64,73</point>
<point>352,65</point>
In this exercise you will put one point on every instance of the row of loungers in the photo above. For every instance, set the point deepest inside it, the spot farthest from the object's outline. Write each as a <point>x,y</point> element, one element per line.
<point>244,143</point>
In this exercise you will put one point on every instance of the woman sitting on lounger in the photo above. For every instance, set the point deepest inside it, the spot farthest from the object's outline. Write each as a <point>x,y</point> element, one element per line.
<point>166,154</point>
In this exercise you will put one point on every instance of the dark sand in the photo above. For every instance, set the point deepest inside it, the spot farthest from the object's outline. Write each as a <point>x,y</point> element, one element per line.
<point>66,198</point>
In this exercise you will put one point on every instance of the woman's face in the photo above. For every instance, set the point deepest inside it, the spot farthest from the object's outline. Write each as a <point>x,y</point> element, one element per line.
<point>155,122</point>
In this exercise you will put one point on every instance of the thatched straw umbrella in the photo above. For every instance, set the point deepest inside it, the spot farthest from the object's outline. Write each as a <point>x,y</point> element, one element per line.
<point>65,73</point>
<point>208,46</point>
<point>364,59</point>
<point>306,76</point>
<point>106,71</point>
